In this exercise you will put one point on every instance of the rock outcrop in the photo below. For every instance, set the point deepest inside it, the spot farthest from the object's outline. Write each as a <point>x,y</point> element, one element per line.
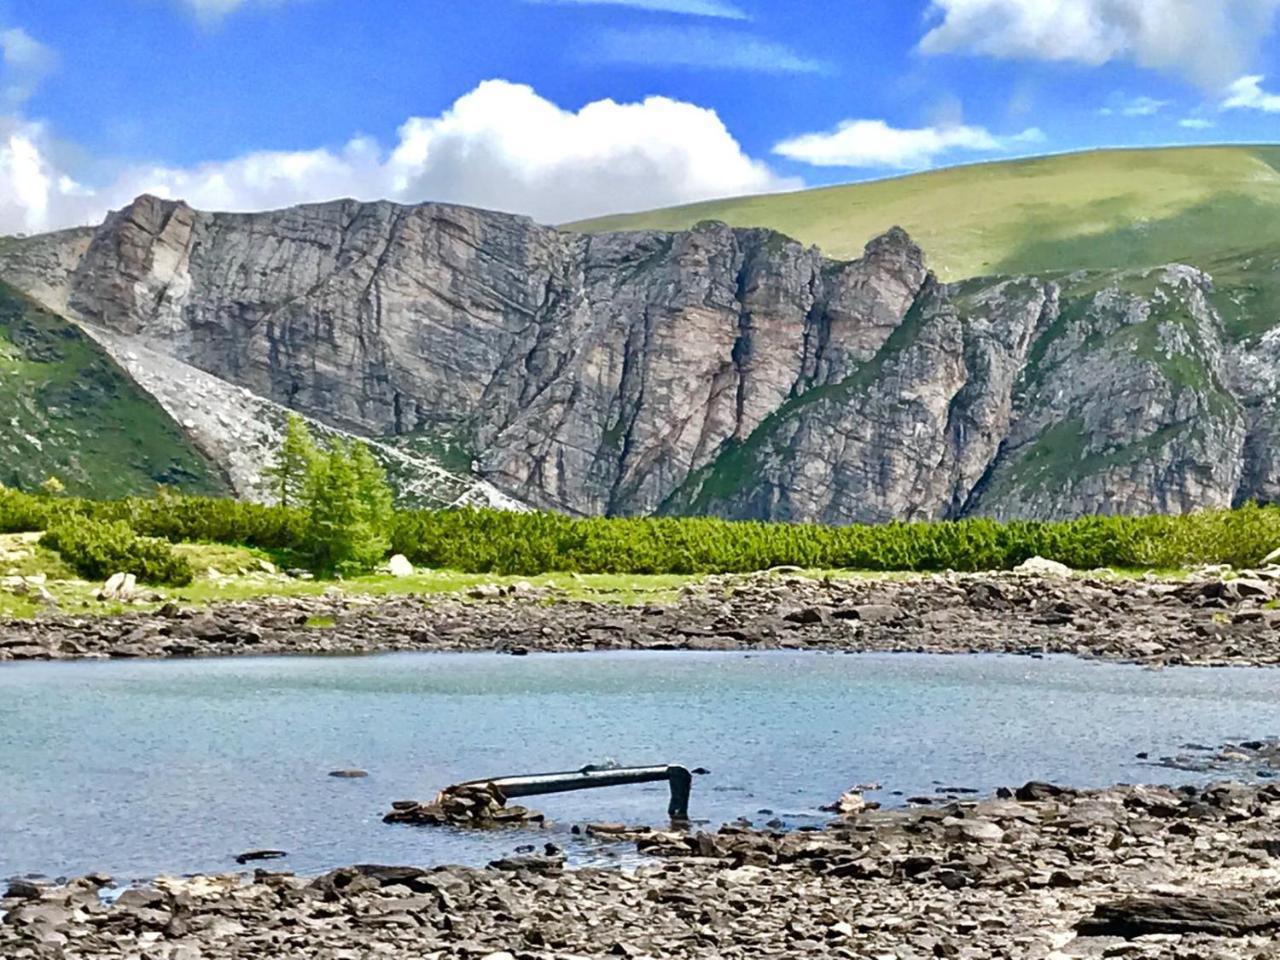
<point>720,370</point>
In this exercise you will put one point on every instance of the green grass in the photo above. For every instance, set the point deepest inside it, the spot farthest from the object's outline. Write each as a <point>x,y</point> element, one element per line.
<point>1103,209</point>
<point>240,577</point>
<point>67,410</point>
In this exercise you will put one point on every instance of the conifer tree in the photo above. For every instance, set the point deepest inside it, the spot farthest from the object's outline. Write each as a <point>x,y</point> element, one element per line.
<point>349,510</point>
<point>374,492</point>
<point>292,463</point>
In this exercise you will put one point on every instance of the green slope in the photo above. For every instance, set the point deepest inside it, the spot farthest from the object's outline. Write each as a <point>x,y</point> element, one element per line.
<point>67,410</point>
<point>1104,209</point>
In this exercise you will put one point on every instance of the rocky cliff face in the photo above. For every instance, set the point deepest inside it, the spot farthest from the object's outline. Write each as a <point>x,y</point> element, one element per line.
<point>722,370</point>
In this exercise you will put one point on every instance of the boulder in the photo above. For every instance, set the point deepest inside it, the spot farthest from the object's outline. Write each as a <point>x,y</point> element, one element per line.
<point>1223,915</point>
<point>399,566</point>
<point>1040,567</point>
<point>972,831</point>
<point>119,586</point>
<point>24,890</point>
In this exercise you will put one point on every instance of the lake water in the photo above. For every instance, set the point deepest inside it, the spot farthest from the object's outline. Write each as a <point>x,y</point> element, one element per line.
<point>139,768</point>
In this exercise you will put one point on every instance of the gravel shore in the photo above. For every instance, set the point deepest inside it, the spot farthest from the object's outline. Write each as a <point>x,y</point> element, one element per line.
<point>1205,620</point>
<point>1043,872</point>
<point>1040,872</point>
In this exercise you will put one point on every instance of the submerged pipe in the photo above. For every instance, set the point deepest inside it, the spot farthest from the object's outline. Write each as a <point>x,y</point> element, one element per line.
<point>590,778</point>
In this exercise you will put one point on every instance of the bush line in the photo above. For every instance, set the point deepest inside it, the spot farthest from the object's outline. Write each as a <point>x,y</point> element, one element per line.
<point>490,541</point>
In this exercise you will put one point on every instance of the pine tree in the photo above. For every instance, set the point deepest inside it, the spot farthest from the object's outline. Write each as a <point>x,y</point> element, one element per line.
<point>292,463</point>
<point>349,510</point>
<point>375,494</point>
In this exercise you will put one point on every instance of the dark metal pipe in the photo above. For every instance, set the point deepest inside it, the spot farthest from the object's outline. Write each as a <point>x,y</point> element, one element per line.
<point>588,778</point>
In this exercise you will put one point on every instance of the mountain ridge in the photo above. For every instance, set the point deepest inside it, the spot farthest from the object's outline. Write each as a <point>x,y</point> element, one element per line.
<point>725,370</point>
<point>1115,208</point>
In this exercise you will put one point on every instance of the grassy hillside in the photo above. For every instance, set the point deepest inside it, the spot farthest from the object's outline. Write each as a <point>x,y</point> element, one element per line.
<point>67,410</point>
<point>1103,209</point>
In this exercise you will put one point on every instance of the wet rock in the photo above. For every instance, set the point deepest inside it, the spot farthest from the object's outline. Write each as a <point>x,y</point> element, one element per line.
<point>252,855</point>
<point>464,805</point>
<point>1036,791</point>
<point>24,890</point>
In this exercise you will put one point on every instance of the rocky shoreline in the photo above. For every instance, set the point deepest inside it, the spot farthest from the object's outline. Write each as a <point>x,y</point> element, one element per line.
<point>1208,619</point>
<point>1037,873</point>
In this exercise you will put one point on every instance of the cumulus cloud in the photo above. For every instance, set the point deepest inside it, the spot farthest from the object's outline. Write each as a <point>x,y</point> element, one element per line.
<point>501,146</point>
<point>1247,94</point>
<point>1196,123</point>
<point>875,144</point>
<point>694,8</point>
<point>27,62</point>
<point>700,49</point>
<point>1208,41</point>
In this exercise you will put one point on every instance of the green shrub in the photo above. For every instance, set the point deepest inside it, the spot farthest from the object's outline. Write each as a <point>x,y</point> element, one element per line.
<point>348,526</point>
<point>22,512</point>
<point>98,550</point>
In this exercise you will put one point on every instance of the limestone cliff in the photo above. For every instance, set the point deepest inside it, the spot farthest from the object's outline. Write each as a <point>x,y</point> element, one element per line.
<point>717,370</point>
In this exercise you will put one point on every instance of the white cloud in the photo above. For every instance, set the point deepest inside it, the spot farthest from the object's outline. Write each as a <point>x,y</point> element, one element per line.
<point>1121,106</point>
<point>501,146</point>
<point>211,11</point>
<point>875,144</point>
<point>1247,94</point>
<point>1196,123</point>
<point>1209,41</point>
<point>694,8</point>
<point>27,62</point>
<point>701,49</point>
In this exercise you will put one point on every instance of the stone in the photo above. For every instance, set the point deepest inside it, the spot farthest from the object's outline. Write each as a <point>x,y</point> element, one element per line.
<point>399,566</point>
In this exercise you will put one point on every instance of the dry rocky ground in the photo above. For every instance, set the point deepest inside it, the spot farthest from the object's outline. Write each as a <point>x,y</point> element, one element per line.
<point>1040,873</point>
<point>1202,620</point>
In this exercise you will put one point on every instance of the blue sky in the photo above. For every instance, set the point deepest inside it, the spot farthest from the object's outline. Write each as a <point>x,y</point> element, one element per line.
<point>569,108</point>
